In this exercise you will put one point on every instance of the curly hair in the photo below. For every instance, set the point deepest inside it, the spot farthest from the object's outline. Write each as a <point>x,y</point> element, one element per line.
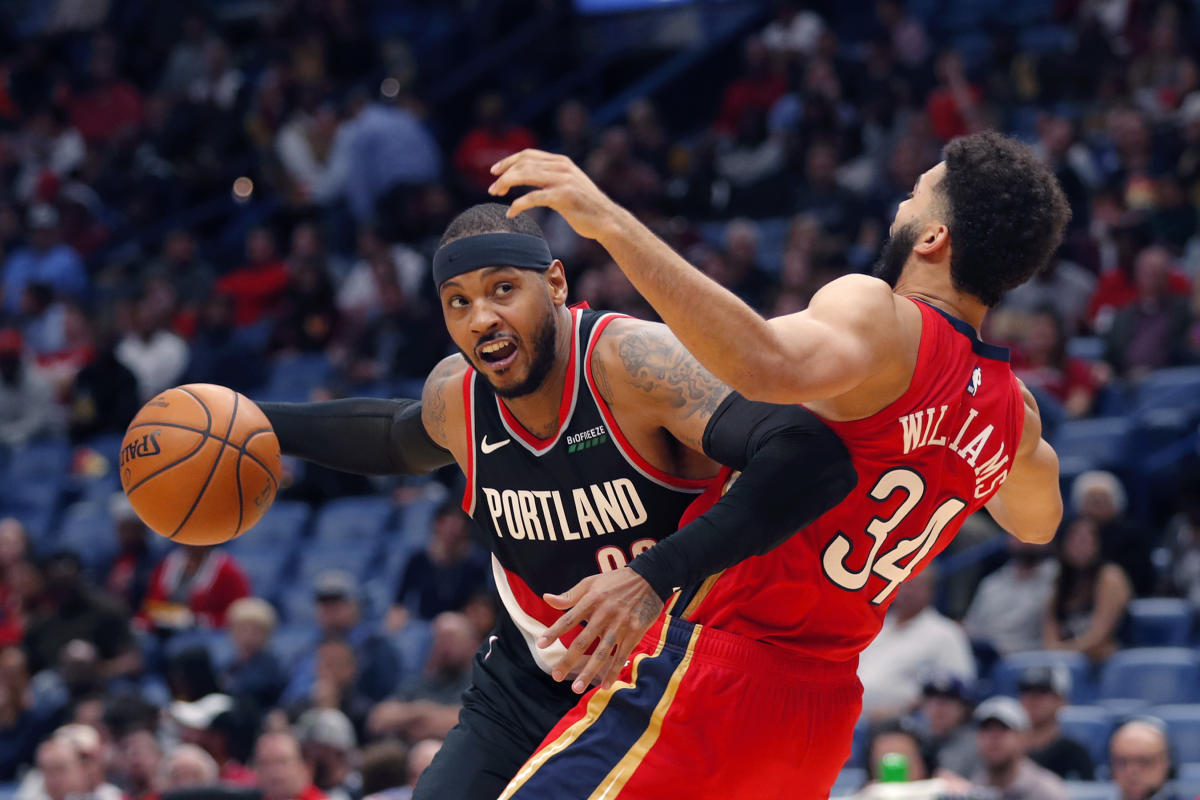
<point>489,218</point>
<point>1006,214</point>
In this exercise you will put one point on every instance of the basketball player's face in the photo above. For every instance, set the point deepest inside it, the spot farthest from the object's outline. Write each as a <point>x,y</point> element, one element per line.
<point>918,209</point>
<point>503,320</point>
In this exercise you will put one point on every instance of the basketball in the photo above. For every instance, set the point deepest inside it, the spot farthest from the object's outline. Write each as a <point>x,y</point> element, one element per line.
<point>200,464</point>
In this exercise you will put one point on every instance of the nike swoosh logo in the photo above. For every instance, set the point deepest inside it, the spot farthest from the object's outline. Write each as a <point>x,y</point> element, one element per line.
<point>491,448</point>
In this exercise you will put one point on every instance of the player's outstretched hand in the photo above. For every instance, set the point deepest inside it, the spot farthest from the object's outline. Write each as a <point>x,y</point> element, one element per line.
<point>619,607</point>
<point>558,184</point>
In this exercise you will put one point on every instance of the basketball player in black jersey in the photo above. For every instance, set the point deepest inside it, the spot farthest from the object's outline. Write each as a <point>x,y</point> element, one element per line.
<point>583,437</point>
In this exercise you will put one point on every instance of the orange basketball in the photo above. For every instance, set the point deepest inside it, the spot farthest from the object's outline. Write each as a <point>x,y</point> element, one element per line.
<point>200,464</point>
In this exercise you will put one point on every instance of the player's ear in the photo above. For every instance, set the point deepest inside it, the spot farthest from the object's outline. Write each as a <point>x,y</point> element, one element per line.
<point>556,282</point>
<point>933,238</point>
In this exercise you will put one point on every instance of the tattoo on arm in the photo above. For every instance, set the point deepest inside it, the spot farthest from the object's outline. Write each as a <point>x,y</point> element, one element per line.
<point>433,403</point>
<point>660,366</point>
<point>648,609</point>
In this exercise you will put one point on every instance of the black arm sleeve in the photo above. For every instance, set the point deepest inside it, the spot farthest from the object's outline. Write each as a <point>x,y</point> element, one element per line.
<point>794,469</point>
<point>366,435</point>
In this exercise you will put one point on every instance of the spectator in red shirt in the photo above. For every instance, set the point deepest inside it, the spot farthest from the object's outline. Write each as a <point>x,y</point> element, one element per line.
<point>488,142</point>
<point>1041,361</point>
<point>1151,331</point>
<point>110,108</point>
<point>14,546</point>
<point>953,105</point>
<point>193,587</point>
<point>760,86</point>
<point>257,286</point>
<point>1117,288</point>
<point>282,773</point>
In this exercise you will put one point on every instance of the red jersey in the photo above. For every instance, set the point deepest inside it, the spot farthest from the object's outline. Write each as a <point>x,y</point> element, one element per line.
<point>925,463</point>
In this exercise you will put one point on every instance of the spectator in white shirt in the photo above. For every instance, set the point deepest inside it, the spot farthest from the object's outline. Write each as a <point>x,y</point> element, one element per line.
<point>1009,604</point>
<point>156,356</point>
<point>915,642</point>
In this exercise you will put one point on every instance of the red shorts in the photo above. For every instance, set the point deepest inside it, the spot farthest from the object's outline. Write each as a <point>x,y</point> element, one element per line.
<point>701,713</point>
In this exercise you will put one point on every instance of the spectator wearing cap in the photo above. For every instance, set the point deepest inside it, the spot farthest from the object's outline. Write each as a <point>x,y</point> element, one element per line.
<point>129,576</point>
<point>282,773</point>
<point>193,587</point>
<point>339,617</point>
<point>27,407</point>
<point>327,743</point>
<point>255,671</point>
<point>1003,729</point>
<point>78,611</point>
<point>946,709</point>
<point>1006,612</point>
<point>915,641</point>
<point>45,260</point>
<point>1043,691</point>
<point>1139,759</point>
<point>209,723</point>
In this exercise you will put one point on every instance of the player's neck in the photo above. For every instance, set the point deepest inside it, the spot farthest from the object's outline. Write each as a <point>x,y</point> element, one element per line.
<point>930,283</point>
<point>538,411</point>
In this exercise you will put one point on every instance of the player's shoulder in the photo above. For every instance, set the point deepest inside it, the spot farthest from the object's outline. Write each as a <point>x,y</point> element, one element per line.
<point>442,406</point>
<point>854,297</point>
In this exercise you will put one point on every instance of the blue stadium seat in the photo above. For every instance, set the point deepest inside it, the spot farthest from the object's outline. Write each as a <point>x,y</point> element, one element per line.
<point>8,791</point>
<point>298,606</point>
<point>413,644</point>
<point>1092,790</point>
<point>33,501</point>
<point>87,529</point>
<point>1090,726</point>
<point>1183,726</point>
<point>1046,39</point>
<point>1101,441</point>
<point>1154,674</point>
<point>264,569</point>
<point>858,744</point>
<point>1178,387</point>
<point>1159,622</point>
<point>352,520</point>
<point>278,531</point>
<point>295,377</point>
<point>291,641</point>
<point>358,560</point>
<point>849,781</point>
<point>1090,348</point>
<point>41,459</point>
<point>1009,668</point>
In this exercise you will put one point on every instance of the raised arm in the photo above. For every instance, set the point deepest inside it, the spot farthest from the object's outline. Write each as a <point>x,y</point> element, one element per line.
<point>818,353</point>
<point>1029,504</point>
<point>371,436</point>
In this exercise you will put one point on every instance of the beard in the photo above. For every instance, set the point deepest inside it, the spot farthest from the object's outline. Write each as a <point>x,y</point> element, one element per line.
<point>542,360</point>
<point>894,254</point>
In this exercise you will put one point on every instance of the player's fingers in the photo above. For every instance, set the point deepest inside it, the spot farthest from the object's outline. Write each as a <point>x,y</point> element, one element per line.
<point>571,596</point>
<point>531,172</point>
<point>597,664</point>
<point>563,624</point>
<point>577,652</point>
<point>527,154</point>
<point>542,197</point>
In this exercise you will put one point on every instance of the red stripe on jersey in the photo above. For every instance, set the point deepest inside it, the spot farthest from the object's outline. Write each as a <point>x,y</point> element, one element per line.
<point>618,437</point>
<point>468,501</point>
<point>532,604</point>
<point>564,407</point>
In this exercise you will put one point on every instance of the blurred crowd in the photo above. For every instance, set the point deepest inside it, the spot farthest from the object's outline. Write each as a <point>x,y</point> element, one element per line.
<point>189,196</point>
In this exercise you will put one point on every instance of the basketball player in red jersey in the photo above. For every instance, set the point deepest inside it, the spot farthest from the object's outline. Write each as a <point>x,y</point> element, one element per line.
<point>760,694</point>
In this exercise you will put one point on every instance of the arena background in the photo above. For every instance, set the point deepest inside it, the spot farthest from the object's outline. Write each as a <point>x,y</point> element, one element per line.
<point>248,192</point>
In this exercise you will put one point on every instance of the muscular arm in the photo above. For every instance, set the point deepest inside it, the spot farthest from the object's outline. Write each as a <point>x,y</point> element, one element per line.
<point>371,436</point>
<point>773,445</point>
<point>1029,504</point>
<point>831,347</point>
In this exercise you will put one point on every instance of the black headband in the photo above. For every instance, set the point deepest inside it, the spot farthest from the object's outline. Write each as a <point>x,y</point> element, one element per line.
<point>470,253</point>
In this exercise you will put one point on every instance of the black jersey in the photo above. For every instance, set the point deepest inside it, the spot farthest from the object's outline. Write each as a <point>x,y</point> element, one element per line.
<point>556,510</point>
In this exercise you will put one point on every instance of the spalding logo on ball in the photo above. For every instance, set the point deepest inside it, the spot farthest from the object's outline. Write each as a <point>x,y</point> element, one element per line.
<point>200,464</point>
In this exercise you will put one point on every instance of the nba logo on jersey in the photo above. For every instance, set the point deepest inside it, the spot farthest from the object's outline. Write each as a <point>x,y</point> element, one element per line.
<point>976,380</point>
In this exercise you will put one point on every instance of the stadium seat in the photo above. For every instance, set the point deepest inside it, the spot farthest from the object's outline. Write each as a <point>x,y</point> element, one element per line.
<point>291,641</point>
<point>1102,441</point>
<point>1090,348</point>
<point>1154,674</point>
<point>413,644</point>
<point>1090,726</point>
<point>277,531</point>
<point>33,501</point>
<point>42,459</point>
<point>1046,39</point>
<point>352,520</point>
<point>298,606</point>
<point>358,560</point>
<point>8,791</point>
<point>87,529</point>
<point>1008,671</point>
<point>1159,622</point>
<point>264,570</point>
<point>1183,726</point>
<point>849,781</point>
<point>293,378</point>
<point>1178,387</point>
<point>1092,790</point>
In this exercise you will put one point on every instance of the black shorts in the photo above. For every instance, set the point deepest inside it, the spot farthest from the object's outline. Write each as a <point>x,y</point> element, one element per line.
<point>507,711</point>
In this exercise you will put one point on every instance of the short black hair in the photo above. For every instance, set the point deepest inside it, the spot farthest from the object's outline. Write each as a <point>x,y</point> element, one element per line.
<point>489,218</point>
<point>1005,211</point>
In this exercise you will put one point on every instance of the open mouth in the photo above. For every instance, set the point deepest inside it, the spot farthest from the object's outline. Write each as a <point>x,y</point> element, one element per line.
<point>497,353</point>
